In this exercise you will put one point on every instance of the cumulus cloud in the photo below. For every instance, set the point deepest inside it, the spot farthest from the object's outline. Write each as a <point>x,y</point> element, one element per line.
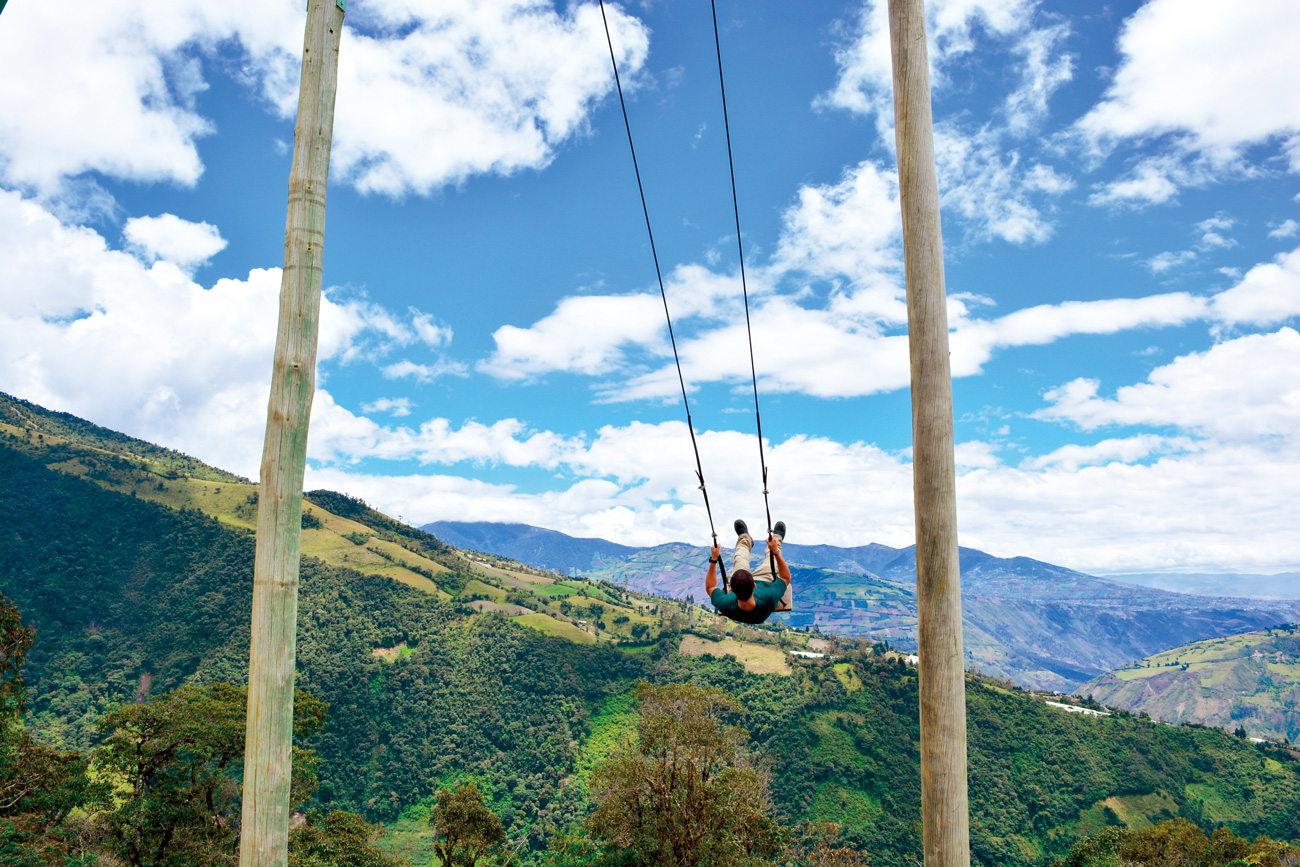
<point>849,230</point>
<point>1268,294</point>
<point>144,349</point>
<point>1211,79</point>
<point>846,347</point>
<point>1219,75</point>
<point>497,86</point>
<point>398,407</point>
<point>984,177</point>
<point>1239,390</point>
<point>1139,502</point>
<point>1285,229</point>
<point>178,241</point>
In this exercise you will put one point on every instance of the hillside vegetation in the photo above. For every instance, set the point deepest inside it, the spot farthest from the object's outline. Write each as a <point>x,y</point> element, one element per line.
<point>1249,681</point>
<point>428,686</point>
<point>1043,626</point>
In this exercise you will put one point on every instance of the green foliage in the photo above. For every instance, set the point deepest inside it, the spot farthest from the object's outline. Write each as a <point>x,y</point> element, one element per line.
<point>174,761</point>
<point>39,785</point>
<point>337,839</point>
<point>1177,843</point>
<point>385,527</point>
<point>685,791</point>
<point>105,443</point>
<point>132,599</point>
<point>468,832</point>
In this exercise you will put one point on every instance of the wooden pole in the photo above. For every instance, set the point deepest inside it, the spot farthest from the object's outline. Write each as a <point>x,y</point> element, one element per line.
<point>267,763</point>
<point>944,811</point>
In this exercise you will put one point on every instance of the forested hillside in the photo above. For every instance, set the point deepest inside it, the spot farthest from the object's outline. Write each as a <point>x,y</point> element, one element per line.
<point>1249,681</point>
<point>479,673</point>
<point>1043,626</point>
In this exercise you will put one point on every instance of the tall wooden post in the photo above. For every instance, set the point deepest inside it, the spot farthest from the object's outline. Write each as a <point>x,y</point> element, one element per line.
<point>267,763</point>
<point>944,811</point>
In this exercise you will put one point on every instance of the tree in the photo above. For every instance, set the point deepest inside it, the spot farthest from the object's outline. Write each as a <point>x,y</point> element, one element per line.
<point>339,839</point>
<point>685,790</point>
<point>467,830</point>
<point>39,785</point>
<point>815,847</point>
<point>174,760</point>
<point>1177,843</point>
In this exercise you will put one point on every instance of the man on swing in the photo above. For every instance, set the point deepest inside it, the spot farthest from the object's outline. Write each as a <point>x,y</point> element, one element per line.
<point>754,596</point>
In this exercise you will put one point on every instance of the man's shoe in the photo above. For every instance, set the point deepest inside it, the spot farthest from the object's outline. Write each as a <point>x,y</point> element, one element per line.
<point>741,529</point>
<point>779,530</point>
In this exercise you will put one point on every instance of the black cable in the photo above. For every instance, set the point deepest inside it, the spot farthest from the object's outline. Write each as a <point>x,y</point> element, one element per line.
<point>699,468</point>
<point>740,250</point>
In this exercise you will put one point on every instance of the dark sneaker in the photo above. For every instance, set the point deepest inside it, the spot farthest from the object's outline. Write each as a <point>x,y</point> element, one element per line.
<point>779,530</point>
<point>741,529</point>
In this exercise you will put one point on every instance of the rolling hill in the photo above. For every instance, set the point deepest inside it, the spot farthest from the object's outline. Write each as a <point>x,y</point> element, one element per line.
<point>1249,681</point>
<point>137,579</point>
<point>1043,626</point>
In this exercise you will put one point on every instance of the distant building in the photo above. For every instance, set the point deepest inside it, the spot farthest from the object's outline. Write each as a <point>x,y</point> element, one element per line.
<point>913,659</point>
<point>807,654</point>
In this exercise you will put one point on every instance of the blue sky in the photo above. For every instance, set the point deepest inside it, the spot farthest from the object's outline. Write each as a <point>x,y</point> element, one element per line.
<point>1121,191</point>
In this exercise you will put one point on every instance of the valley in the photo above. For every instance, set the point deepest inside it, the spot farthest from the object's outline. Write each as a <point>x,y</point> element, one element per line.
<point>1043,626</point>
<point>440,666</point>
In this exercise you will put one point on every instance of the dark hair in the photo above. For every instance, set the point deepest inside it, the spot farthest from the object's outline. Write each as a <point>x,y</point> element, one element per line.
<point>742,584</point>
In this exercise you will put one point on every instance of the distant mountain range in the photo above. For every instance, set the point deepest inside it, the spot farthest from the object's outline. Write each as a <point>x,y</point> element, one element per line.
<point>1283,585</point>
<point>1041,625</point>
<point>1250,681</point>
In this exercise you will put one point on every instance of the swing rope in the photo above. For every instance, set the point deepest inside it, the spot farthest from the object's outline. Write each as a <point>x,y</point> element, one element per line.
<point>699,467</point>
<point>740,251</point>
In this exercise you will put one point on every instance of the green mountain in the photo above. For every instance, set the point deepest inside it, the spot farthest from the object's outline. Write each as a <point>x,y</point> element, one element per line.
<point>441,666</point>
<point>1043,626</point>
<point>1249,681</point>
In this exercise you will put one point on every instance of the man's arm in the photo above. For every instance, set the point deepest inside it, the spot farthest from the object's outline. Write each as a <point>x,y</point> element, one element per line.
<point>711,580</point>
<point>781,569</point>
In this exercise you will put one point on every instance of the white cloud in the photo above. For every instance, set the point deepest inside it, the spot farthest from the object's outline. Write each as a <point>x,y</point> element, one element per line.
<point>1153,181</point>
<point>851,230</point>
<point>1268,294</point>
<point>1211,79</point>
<point>991,186</point>
<point>398,407</point>
<point>1285,229</point>
<point>146,350</point>
<point>1162,262</point>
<point>585,334</point>
<point>1126,450</point>
<point>1142,502</point>
<point>636,484</point>
<point>1220,74</point>
<point>422,372</point>
<point>498,87</point>
<point>170,238</point>
<point>865,82</point>
<point>126,78</point>
<point>1240,390</point>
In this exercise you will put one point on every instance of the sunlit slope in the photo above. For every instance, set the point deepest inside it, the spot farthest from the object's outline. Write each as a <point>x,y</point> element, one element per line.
<point>1251,681</point>
<point>343,531</point>
<point>127,595</point>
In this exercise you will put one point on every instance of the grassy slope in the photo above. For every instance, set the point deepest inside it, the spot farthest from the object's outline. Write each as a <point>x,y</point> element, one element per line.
<point>841,732</point>
<point>1250,680</point>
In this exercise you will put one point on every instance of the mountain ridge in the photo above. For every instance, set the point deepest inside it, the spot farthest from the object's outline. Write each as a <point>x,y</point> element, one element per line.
<point>1044,626</point>
<point>137,581</point>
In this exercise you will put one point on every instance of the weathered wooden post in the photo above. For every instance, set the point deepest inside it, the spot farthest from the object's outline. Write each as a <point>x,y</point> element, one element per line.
<point>944,809</point>
<point>267,764</point>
